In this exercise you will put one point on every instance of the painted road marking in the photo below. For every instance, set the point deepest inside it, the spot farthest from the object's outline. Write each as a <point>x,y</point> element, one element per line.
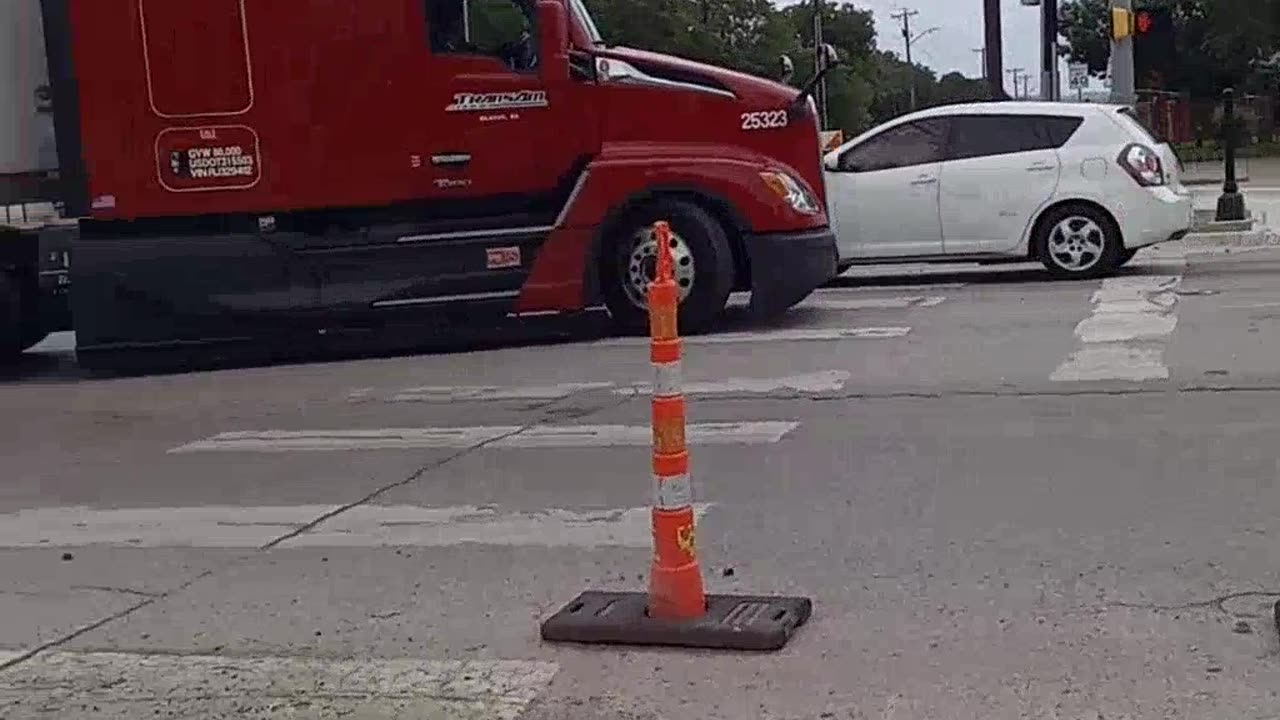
<point>480,393</point>
<point>375,439</point>
<point>820,302</point>
<point>129,685</point>
<point>788,335</point>
<point>925,287</point>
<point>581,436</point>
<point>491,437</point>
<point>1124,337</point>
<point>819,382</point>
<point>360,526</point>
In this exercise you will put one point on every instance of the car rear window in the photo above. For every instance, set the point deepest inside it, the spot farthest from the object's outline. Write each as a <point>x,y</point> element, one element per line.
<point>1130,118</point>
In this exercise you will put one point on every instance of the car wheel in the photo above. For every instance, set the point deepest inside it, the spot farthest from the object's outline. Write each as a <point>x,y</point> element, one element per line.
<point>1079,241</point>
<point>703,266</point>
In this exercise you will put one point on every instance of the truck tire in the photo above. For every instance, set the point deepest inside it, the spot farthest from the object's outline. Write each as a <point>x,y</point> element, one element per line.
<point>703,262</point>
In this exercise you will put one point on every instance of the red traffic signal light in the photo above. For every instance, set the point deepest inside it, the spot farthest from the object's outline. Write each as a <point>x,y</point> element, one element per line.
<point>1143,22</point>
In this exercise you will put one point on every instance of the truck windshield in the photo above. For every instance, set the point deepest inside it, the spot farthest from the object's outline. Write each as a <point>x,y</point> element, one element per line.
<point>580,9</point>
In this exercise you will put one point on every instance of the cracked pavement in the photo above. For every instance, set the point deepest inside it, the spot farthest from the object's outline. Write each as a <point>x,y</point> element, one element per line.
<point>980,540</point>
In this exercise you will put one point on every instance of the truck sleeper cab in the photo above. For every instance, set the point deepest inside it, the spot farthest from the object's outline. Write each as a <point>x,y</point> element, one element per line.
<point>341,167</point>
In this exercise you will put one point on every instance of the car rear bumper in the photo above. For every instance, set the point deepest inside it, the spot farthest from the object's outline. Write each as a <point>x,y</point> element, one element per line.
<point>1166,215</point>
<point>787,267</point>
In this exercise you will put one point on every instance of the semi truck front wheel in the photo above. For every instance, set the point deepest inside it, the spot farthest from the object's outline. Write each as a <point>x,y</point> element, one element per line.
<point>703,265</point>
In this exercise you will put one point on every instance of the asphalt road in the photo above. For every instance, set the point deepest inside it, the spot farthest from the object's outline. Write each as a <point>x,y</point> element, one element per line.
<point>1008,498</point>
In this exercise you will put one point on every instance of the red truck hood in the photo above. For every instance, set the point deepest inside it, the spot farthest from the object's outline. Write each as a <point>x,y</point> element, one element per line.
<point>750,88</point>
<point>730,120</point>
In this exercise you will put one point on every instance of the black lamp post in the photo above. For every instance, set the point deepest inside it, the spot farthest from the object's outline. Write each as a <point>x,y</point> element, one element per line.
<point>1231,202</point>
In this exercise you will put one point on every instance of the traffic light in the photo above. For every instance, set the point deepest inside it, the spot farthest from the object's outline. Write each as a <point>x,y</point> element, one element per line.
<point>1143,22</point>
<point>1121,23</point>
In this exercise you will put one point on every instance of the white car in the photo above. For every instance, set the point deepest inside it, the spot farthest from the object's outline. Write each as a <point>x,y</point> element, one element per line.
<point>1078,187</point>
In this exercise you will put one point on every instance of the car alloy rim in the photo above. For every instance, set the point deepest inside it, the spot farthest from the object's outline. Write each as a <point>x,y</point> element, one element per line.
<point>642,266</point>
<point>1077,243</point>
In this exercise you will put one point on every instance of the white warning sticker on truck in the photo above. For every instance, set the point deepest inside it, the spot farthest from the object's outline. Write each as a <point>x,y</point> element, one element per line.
<point>473,102</point>
<point>208,158</point>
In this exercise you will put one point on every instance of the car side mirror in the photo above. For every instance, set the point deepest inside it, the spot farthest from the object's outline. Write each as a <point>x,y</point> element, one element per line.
<point>553,41</point>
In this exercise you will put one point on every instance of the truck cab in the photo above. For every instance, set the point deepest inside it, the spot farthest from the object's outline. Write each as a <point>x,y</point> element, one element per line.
<point>257,170</point>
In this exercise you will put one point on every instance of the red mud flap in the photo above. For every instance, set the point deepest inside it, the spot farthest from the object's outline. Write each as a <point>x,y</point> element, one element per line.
<point>731,622</point>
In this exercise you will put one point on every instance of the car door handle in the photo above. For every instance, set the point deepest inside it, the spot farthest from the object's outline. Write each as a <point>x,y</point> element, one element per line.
<point>450,159</point>
<point>924,180</point>
<point>1041,167</point>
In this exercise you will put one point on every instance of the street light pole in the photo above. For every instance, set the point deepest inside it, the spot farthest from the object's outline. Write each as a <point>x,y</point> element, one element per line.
<point>905,16</point>
<point>1231,202</point>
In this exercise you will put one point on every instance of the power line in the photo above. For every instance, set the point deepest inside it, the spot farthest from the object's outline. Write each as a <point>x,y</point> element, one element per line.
<point>905,16</point>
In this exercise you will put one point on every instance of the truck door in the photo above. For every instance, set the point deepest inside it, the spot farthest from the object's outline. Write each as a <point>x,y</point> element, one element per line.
<point>488,187</point>
<point>490,108</point>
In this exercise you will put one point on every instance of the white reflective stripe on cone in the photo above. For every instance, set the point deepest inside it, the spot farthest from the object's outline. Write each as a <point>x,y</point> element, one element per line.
<point>672,493</point>
<point>666,379</point>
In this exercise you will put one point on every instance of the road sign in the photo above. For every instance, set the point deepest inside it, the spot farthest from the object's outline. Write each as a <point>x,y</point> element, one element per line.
<point>1077,76</point>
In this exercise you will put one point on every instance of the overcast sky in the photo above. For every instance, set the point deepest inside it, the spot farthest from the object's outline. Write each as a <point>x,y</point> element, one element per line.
<point>959,23</point>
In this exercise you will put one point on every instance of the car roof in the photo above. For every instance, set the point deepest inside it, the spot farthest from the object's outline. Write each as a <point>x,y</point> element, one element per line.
<point>1003,107</point>
<point>1013,107</point>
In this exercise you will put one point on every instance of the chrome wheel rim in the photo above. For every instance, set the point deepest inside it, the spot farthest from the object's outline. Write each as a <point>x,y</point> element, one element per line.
<point>1077,243</point>
<point>641,266</point>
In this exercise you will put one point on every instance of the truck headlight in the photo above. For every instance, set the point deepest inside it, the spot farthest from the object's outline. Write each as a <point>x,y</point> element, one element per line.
<point>791,192</point>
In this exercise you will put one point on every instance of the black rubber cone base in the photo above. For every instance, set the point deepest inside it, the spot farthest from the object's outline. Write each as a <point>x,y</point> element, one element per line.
<point>732,622</point>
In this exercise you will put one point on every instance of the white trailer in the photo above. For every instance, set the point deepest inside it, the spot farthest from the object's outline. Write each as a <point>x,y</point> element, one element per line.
<point>35,241</point>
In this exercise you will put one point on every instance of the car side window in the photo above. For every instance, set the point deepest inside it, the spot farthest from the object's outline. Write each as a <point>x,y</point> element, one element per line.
<point>503,29</point>
<point>975,136</point>
<point>916,143</point>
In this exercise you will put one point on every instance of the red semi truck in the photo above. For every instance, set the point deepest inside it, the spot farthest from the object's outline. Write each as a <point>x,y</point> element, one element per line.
<point>248,171</point>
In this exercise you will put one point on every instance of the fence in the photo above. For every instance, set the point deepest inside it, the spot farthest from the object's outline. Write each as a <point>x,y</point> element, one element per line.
<point>1194,125</point>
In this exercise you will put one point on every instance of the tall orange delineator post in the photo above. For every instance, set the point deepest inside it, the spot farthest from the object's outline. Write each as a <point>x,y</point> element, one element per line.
<point>675,581</point>
<point>676,610</point>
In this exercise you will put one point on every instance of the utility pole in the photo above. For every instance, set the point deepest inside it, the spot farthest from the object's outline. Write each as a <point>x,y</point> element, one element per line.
<point>1049,50</point>
<point>1123,90</point>
<point>982,52</point>
<point>905,16</point>
<point>1016,72</point>
<point>819,61</point>
<point>994,42</point>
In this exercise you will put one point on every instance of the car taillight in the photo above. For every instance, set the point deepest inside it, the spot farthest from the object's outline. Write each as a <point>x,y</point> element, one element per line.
<point>1143,164</point>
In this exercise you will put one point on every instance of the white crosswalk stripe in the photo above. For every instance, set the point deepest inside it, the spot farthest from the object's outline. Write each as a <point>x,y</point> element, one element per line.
<point>851,304</point>
<point>816,334</point>
<point>361,526</point>
<point>491,437</point>
<point>807,383</point>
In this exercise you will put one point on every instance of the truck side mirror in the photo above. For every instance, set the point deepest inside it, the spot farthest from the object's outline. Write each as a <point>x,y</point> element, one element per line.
<point>553,41</point>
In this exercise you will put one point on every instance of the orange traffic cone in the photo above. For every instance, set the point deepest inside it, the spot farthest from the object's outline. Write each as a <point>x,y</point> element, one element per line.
<point>675,581</point>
